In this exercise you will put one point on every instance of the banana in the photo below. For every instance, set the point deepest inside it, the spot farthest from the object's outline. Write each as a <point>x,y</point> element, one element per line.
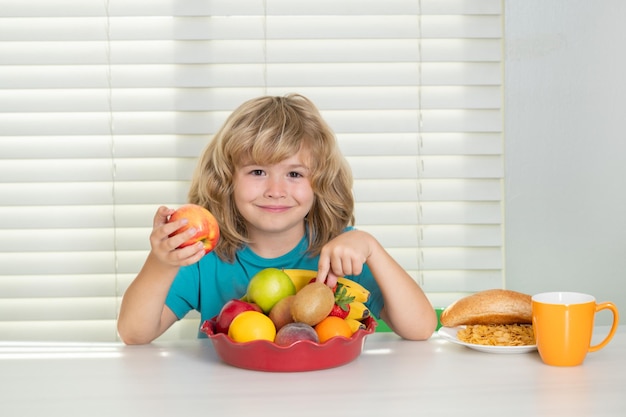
<point>354,289</point>
<point>300,277</point>
<point>358,311</point>
<point>350,283</point>
<point>355,325</point>
<point>358,295</point>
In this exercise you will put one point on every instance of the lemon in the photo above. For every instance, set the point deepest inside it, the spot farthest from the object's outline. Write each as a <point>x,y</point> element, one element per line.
<point>251,325</point>
<point>268,287</point>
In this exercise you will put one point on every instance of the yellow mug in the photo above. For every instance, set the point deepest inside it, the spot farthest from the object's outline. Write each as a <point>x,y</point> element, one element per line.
<point>563,326</point>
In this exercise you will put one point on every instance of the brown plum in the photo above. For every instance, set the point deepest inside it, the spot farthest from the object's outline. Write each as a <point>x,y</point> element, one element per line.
<point>281,312</point>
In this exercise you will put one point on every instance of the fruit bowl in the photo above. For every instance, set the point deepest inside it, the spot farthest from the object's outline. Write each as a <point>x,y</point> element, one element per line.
<point>303,355</point>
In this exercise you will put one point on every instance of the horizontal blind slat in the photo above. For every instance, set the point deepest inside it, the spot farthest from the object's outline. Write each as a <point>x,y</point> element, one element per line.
<point>199,122</point>
<point>431,190</point>
<point>57,286</point>
<point>74,308</point>
<point>436,236</point>
<point>102,146</point>
<point>457,143</point>
<point>76,193</point>
<point>236,76</point>
<point>44,8</point>
<point>203,99</point>
<point>427,213</point>
<point>443,259</point>
<point>250,51</point>
<point>248,27</point>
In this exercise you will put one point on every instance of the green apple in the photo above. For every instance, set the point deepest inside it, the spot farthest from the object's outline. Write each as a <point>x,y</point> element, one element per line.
<point>268,287</point>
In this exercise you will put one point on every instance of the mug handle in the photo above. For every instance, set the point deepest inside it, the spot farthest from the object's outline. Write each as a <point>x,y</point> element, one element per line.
<point>607,339</point>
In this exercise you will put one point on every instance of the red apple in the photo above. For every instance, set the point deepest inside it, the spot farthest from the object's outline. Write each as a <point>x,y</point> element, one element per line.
<point>230,310</point>
<point>207,229</point>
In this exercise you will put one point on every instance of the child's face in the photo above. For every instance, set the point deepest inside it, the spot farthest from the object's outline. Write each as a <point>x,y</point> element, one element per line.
<point>274,198</point>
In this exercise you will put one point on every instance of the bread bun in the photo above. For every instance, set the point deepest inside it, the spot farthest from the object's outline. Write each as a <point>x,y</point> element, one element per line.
<point>489,307</point>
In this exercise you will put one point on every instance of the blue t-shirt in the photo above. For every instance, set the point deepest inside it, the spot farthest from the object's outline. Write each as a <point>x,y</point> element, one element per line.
<point>208,284</point>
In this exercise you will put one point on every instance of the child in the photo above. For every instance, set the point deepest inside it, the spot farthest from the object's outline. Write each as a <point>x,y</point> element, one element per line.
<point>275,179</point>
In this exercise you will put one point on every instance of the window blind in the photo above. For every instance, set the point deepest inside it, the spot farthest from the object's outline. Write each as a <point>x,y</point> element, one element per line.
<point>105,106</point>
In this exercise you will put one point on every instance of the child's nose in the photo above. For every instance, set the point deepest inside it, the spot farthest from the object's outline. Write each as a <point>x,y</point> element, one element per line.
<point>275,188</point>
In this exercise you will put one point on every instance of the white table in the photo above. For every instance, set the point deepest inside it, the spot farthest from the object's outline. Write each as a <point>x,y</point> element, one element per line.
<point>391,377</point>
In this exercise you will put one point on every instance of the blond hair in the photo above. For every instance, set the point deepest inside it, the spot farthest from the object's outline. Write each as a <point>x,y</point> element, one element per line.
<point>267,130</point>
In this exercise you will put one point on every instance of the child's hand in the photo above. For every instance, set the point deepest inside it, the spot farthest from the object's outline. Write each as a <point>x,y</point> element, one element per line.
<point>165,247</point>
<point>344,255</point>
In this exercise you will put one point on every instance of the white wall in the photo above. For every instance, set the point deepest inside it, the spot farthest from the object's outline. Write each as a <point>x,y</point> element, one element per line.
<point>565,101</point>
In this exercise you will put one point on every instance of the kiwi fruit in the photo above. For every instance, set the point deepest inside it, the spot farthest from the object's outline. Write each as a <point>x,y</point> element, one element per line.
<point>312,303</point>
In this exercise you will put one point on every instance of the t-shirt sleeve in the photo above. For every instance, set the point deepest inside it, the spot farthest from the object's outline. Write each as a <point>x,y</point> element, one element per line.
<point>184,292</point>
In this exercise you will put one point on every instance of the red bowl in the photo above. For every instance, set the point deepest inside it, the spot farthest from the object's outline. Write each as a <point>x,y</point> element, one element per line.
<point>303,355</point>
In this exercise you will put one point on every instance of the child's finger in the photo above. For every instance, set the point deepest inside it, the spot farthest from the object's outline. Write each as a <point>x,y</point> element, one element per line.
<point>323,267</point>
<point>331,279</point>
<point>189,255</point>
<point>162,215</point>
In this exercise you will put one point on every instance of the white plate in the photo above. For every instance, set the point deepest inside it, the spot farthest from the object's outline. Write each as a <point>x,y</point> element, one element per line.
<point>449,334</point>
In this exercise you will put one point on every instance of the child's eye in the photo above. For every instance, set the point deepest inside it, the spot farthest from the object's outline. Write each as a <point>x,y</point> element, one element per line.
<point>294,174</point>
<point>257,172</point>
